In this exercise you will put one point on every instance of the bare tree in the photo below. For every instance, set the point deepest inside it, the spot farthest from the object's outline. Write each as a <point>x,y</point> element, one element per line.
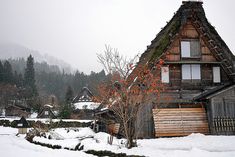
<point>113,62</point>
<point>129,87</point>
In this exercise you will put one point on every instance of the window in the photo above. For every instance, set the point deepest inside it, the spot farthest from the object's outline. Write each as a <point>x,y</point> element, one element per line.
<point>190,48</point>
<point>46,113</point>
<point>165,74</point>
<point>191,72</point>
<point>84,107</point>
<point>20,124</point>
<point>216,74</point>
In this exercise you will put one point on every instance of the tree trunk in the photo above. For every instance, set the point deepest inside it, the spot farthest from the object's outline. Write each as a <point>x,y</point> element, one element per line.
<point>129,129</point>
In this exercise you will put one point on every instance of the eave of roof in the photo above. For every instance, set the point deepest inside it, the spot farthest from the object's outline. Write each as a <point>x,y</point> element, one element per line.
<point>212,92</point>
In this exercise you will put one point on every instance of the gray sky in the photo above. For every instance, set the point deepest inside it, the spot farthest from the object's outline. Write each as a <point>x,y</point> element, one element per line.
<point>75,30</point>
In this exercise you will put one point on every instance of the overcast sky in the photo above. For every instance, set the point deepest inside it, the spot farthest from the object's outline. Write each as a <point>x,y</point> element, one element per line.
<point>76,30</point>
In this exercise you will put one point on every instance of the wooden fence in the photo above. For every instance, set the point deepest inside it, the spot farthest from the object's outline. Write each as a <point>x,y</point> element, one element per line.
<point>180,121</point>
<point>224,125</point>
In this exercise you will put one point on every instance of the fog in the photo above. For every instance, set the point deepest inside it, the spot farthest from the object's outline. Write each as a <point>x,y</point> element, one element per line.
<point>76,30</point>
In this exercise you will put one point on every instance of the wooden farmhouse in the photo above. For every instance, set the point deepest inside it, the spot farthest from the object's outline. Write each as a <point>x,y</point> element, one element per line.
<point>17,110</point>
<point>47,111</point>
<point>198,75</point>
<point>84,106</point>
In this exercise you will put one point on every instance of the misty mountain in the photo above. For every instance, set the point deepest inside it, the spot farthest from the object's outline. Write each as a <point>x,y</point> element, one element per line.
<point>15,51</point>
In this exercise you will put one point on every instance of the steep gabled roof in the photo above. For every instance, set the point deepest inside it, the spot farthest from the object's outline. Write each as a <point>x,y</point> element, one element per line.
<point>22,123</point>
<point>194,11</point>
<point>84,96</point>
<point>49,108</point>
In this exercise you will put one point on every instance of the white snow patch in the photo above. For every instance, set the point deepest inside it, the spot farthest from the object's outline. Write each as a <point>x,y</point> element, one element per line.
<point>193,145</point>
<point>12,146</point>
<point>34,115</point>
<point>86,105</point>
<point>48,105</point>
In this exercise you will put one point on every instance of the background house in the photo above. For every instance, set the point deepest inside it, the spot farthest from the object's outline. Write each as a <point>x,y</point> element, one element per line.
<point>17,110</point>
<point>47,111</point>
<point>84,106</point>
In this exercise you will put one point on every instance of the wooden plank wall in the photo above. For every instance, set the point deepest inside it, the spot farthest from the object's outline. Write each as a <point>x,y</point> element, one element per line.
<point>180,121</point>
<point>113,128</point>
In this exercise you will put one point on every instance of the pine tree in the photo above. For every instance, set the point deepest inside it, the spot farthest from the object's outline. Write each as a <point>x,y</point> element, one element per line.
<point>7,73</point>
<point>1,72</point>
<point>29,78</point>
<point>66,108</point>
<point>18,79</point>
<point>69,95</point>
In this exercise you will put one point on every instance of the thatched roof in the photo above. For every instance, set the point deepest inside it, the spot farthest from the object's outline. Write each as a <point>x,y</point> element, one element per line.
<point>194,11</point>
<point>22,123</point>
<point>85,95</point>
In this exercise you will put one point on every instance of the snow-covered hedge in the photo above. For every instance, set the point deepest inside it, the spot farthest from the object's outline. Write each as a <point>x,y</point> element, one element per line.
<point>52,124</point>
<point>109,153</point>
<point>93,152</point>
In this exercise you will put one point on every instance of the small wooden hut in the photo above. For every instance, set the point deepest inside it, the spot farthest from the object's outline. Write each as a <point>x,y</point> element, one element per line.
<point>22,125</point>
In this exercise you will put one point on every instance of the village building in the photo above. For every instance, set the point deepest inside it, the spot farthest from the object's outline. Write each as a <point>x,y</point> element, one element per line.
<point>17,110</point>
<point>198,76</point>
<point>196,61</point>
<point>84,105</point>
<point>48,111</point>
<point>22,125</point>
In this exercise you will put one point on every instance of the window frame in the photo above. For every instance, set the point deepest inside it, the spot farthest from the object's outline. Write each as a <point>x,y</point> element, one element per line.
<point>191,69</point>
<point>46,113</point>
<point>182,53</point>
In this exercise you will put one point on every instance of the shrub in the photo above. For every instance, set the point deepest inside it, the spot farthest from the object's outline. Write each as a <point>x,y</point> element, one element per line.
<point>110,154</point>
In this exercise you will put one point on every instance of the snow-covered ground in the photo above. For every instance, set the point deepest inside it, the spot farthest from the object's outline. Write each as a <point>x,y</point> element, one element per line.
<point>193,145</point>
<point>12,146</point>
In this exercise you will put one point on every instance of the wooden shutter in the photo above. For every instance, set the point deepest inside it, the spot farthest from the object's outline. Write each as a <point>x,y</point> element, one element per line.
<point>194,48</point>
<point>216,75</point>
<point>165,74</point>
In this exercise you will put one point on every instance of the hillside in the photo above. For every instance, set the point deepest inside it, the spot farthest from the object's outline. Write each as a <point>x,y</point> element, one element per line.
<point>15,51</point>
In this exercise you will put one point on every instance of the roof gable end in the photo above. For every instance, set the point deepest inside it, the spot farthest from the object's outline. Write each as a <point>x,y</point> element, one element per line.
<point>190,11</point>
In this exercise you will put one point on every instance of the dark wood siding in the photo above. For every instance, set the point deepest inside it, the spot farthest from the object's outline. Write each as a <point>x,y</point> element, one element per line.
<point>221,112</point>
<point>144,125</point>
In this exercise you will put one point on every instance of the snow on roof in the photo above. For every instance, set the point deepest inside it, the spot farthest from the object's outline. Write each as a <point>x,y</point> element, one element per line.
<point>86,105</point>
<point>47,105</point>
<point>103,109</point>
<point>34,115</point>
